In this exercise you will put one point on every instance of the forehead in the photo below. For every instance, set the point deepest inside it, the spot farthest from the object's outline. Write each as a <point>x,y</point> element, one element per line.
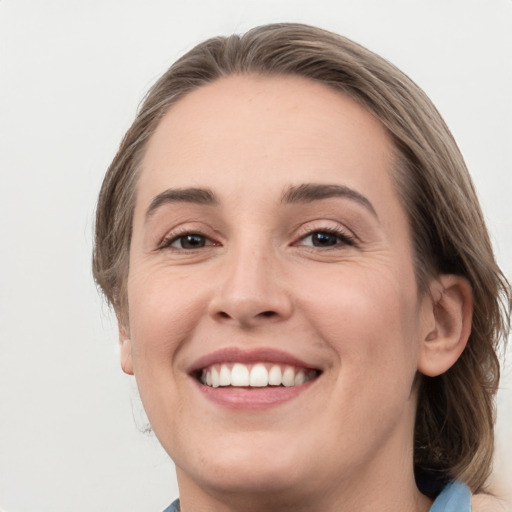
<point>245,131</point>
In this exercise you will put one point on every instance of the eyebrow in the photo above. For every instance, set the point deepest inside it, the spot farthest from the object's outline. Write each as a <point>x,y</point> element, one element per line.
<point>202,196</point>
<point>309,192</point>
<point>305,193</point>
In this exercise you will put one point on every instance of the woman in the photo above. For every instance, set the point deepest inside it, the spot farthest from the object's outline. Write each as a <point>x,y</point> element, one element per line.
<point>304,284</point>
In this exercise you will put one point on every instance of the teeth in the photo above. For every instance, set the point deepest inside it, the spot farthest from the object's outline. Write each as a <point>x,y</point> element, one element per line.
<point>224,376</point>
<point>257,375</point>
<point>288,377</point>
<point>300,378</point>
<point>275,376</point>
<point>215,378</point>
<point>239,375</point>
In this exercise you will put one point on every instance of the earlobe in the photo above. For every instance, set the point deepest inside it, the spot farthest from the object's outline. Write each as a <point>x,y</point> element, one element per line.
<point>452,311</point>
<point>125,349</point>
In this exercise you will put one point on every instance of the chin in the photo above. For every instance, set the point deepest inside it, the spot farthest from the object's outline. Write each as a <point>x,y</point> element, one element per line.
<point>261,468</point>
<point>246,479</point>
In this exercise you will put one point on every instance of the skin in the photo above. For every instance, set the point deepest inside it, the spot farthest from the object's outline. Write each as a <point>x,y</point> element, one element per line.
<point>351,309</point>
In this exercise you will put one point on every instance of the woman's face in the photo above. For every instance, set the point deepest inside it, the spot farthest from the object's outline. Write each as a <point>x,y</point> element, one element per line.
<point>269,244</point>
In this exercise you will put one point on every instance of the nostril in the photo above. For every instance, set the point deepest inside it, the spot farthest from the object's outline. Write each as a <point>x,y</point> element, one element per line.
<point>246,319</point>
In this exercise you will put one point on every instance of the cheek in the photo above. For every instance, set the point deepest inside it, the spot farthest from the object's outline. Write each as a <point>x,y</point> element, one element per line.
<point>368,315</point>
<point>367,319</point>
<point>163,315</point>
<point>163,312</point>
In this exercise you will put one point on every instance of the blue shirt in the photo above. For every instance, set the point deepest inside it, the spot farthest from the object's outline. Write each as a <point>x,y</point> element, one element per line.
<point>455,497</point>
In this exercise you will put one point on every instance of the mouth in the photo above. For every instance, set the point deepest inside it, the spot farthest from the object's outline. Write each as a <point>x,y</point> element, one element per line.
<point>260,374</point>
<point>253,379</point>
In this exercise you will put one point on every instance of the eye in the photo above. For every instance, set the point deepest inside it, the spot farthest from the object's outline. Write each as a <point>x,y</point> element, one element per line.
<point>326,238</point>
<point>187,241</point>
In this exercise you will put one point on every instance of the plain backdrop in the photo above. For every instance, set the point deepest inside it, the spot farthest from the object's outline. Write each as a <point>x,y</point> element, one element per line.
<point>72,73</point>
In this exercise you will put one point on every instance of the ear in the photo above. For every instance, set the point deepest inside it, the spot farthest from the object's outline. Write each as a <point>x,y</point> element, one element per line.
<point>451,313</point>
<point>125,348</point>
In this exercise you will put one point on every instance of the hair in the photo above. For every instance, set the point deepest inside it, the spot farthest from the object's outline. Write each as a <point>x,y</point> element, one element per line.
<point>454,431</point>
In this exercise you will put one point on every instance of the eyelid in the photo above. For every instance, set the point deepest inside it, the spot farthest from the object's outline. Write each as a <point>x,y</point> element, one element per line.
<point>343,240</point>
<point>207,242</point>
<point>188,229</point>
<point>331,227</point>
<point>347,236</point>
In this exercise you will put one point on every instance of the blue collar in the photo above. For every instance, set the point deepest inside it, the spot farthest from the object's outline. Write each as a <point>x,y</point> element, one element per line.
<point>455,497</point>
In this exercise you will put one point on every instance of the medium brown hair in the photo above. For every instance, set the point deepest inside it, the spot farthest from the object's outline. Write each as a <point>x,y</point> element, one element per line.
<point>455,416</point>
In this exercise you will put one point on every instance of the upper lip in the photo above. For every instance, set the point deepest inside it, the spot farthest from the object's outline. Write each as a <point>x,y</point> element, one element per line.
<point>247,356</point>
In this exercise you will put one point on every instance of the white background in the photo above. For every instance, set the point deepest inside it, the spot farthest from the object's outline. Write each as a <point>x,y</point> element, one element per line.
<point>72,73</point>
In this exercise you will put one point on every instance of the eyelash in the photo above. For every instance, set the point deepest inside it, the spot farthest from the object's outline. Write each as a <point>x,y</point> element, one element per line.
<point>169,240</point>
<point>344,239</point>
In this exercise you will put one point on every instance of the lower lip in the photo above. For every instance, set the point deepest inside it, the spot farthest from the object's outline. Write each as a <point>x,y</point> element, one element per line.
<point>253,398</point>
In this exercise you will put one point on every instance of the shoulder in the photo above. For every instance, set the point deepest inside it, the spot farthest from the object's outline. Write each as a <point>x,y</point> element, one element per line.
<point>488,503</point>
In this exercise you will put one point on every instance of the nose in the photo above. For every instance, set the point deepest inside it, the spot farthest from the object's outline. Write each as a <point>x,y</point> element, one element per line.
<point>252,290</point>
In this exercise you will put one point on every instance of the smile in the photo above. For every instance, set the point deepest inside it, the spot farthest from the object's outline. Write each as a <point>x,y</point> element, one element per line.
<point>255,375</point>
